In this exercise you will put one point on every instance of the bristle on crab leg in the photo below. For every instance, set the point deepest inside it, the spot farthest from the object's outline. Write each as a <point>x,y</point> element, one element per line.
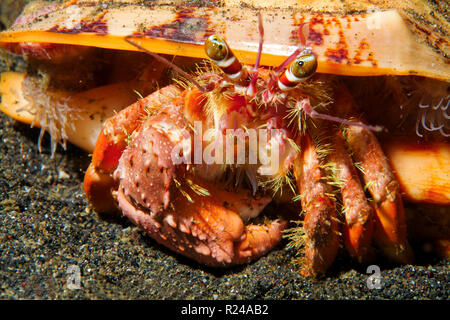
<point>320,224</point>
<point>390,222</point>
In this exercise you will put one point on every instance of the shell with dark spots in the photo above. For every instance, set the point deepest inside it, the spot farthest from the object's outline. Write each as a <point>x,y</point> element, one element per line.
<point>349,37</point>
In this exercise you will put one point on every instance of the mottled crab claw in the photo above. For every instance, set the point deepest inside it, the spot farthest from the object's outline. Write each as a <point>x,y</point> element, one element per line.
<point>111,142</point>
<point>208,228</point>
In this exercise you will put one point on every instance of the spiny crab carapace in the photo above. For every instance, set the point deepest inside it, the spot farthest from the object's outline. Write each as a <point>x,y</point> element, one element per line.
<point>211,212</point>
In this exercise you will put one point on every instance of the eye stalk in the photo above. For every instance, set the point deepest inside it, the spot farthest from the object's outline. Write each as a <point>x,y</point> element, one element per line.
<point>304,66</point>
<point>216,48</point>
<point>300,69</point>
<point>220,53</point>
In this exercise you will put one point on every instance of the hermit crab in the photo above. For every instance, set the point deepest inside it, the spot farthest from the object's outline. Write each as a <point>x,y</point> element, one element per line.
<point>287,112</point>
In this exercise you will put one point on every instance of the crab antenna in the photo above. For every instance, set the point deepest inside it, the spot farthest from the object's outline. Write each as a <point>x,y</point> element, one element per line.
<point>168,63</point>
<point>251,90</point>
<point>306,107</point>
<point>286,62</point>
<point>261,41</point>
<point>301,35</point>
<point>301,47</point>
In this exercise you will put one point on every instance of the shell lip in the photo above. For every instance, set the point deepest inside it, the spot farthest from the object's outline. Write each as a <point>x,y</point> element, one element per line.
<point>350,38</point>
<point>195,49</point>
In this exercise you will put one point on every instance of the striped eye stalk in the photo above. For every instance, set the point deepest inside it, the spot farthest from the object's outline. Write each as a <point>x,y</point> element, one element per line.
<point>220,53</point>
<point>301,69</point>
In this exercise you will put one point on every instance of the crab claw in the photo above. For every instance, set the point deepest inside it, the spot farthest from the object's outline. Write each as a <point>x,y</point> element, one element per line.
<point>111,142</point>
<point>189,215</point>
<point>206,228</point>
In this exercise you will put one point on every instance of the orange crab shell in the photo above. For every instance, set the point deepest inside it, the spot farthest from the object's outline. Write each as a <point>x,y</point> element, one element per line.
<point>350,37</point>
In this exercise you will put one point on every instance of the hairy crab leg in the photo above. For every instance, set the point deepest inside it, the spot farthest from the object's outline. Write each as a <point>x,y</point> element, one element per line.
<point>377,175</point>
<point>358,227</point>
<point>320,224</point>
<point>390,222</point>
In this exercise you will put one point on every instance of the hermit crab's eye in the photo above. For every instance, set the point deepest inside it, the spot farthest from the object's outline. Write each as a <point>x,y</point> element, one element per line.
<point>304,66</point>
<point>299,70</point>
<point>222,56</point>
<point>216,48</point>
